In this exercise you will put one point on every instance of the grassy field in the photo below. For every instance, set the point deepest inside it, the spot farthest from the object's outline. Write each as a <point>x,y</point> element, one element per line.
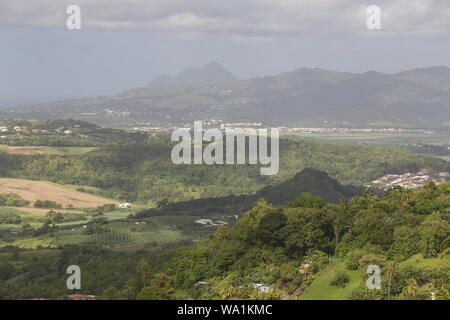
<point>320,289</point>
<point>4,210</point>
<point>44,211</point>
<point>445,158</point>
<point>419,261</point>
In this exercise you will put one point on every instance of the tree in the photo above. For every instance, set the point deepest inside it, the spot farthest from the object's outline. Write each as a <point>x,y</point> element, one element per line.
<point>371,259</point>
<point>159,288</point>
<point>317,260</point>
<point>392,270</point>
<point>411,287</point>
<point>433,231</point>
<point>269,227</point>
<point>431,190</point>
<point>163,203</point>
<point>224,288</point>
<point>307,200</point>
<point>143,271</point>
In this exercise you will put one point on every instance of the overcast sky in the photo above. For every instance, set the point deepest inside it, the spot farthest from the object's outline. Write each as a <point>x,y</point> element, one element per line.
<point>126,43</point>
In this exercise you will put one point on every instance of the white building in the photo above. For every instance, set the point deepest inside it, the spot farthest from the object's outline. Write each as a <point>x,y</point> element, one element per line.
<point>262,287</point>
<point>125,205</point>
<point>203,221</point>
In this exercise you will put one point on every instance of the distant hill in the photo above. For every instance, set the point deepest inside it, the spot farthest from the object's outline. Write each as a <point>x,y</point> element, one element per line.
<point>417,98</point>
<point>308,180</point>
<point>212,73</point>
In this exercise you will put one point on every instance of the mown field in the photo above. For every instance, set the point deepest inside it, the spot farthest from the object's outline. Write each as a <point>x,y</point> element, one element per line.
<point>320,289</point>
<point>27,150</point>
<point>31,190</point>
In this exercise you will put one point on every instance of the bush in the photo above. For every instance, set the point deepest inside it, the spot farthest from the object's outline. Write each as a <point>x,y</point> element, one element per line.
<point>352,259</point>
<point>10,218</point>
<point>46,204</point>
<point>340,279</point>
<point>12,200</point>
<point>317,260</point>
<point>371,259</point>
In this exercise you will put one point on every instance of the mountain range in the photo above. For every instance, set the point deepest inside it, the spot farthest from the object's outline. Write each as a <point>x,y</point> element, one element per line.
<point>418,98</point>
<point>209,74</point>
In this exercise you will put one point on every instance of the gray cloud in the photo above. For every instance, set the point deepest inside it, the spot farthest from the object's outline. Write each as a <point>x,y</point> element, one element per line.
<point>256,18</point>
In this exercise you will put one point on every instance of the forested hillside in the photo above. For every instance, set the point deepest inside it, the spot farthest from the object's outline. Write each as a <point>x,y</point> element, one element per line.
<point>143,172</point>
<point>309,180</point>
<point>406,233</point>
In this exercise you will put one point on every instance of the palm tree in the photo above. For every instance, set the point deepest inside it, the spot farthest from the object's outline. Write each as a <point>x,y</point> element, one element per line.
<point>411,287</point>
<point>392,270</point>
<point>224,289</point>
<point>368,193</point>
<point>406,198</point>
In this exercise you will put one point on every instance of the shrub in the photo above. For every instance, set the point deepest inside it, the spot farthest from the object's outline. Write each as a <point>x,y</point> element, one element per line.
<point>371,259</point>
<point>340,279</point>
<point>12,200</point>
<point>352,259</point>
<point>10,218</point>
<point>46,204</point>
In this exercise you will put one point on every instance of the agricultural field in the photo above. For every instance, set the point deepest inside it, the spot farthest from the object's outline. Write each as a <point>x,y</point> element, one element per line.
<point>27,150</point>
<point>24,150</point>
<point>85,218</point>
<point>44,211</point>
<point>31,190</point>
<point>117,233</point>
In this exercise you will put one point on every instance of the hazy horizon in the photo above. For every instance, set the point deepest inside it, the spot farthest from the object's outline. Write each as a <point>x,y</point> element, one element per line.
<point>124,44</point>
<point>60,97</point>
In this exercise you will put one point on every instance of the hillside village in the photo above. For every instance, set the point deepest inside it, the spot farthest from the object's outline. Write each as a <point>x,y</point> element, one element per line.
<point>409,180</point>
